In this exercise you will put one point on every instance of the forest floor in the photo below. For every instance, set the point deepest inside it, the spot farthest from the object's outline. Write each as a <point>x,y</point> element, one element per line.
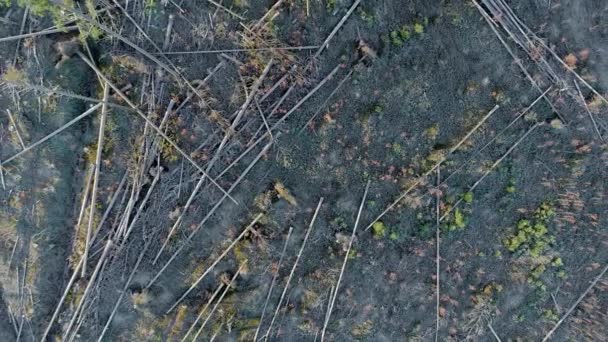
<point>302,170</point>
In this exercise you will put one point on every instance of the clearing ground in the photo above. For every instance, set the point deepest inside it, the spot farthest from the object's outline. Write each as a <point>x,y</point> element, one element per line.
<point>302,170</point>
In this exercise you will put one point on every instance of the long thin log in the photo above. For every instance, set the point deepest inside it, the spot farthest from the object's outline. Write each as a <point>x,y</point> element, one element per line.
<point>124,219</point>
<point>200,315</point>
<point>85,197</point>
<point>141,206</point>
<point>240,113</point>
<point>209,214</point>
<point>10,259</point>
<point>149,122</point>
<point>200,85</point>
<point>272,283</point>
<point>23,21</point>
<point>217,261</point>
<point>217,331</point>
<point>10,116</point>
<point>219,301</point>
<point>274,109</point>
<point>122,183</point>
<point>322,106</point>
<point>329,300</point>
<point>437,257</point>
<point>293,268</point>
<point>93,207</point>
<point>580,299</point>
<point>268,13</point>
<point>491,168</point>
<point>338,26</point>
<point>123,292</point>
<point>51,91</point>
<point>516,59</point>
<point>494,333</point>
<point>257,104</point>
<point>220,6</point>
<point>426,174</point>
<point>307,96</point>
<point>57,131</point>
<point>168,32</point>
<point>2,176</point>
<point>205,52</point>
<point>499,134</point>
<point>177,222</point>
<point>88,288</point>
<point>61,300</point>
<point>597,130</point>
<point>346,256</point>
<point>39,33</point>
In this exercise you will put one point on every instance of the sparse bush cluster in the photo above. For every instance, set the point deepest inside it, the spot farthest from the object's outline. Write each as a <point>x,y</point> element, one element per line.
<point>458,219</point>
<point>531,235</point>
<point>38,7</point>
<point>531,243</point>
<point>400,36</point>
<point>60,12</point>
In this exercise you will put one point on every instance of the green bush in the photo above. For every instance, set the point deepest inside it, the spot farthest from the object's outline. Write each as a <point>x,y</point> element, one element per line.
<point>532,236</point>
<point>378,229</point>
<point>467,197</point>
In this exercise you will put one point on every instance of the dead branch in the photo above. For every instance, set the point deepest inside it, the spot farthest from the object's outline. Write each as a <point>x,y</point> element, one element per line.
<point>492,167</point>
<point>217,261</point>
<point>580,299</point>
<point>149,122</point>
<point>200,315</point>
<point>346,256</point>
<point>219,301</point>
<point>272,283</point>
<point>293,268</point>
<point>204,220</point>
<point>93,207</point>
<point>57,131</point>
